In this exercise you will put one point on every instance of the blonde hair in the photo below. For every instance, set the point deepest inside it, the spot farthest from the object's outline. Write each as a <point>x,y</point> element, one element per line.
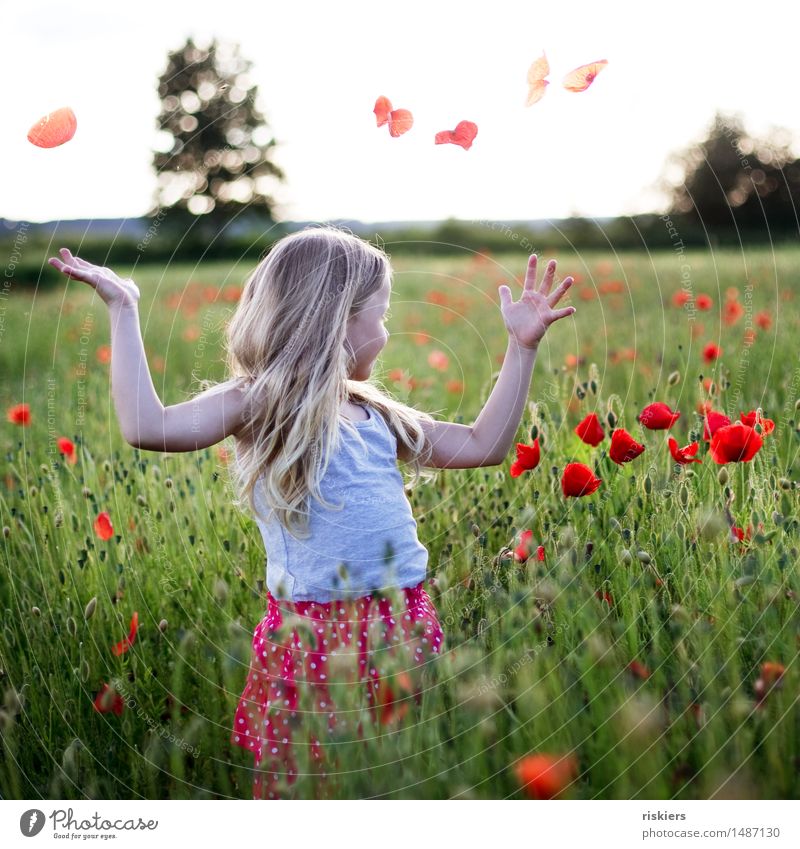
<point>287,349</point>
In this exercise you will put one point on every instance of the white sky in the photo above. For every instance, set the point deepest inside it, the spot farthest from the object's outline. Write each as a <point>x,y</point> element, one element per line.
<point>320,64</point>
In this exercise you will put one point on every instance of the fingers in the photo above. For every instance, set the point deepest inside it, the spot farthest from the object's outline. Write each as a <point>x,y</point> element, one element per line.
<point>530,276</point>
<point>547,280</point>
<point>560,290</point>
<point>563,313</point>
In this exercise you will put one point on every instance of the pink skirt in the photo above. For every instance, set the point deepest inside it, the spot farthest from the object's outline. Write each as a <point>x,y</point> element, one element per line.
<point>300,648</point>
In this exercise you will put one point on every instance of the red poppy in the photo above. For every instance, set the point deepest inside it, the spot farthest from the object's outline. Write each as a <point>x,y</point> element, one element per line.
<point>123,646</point>
<point>19,414</point>
<point>658,416</point>
<point>704,302</point>
<point>590,430</point>
<point>711,352</point>
<point>67,448</point>
<point>732,312</point>
<point>712,422</point>
<point>103,527</point>
<point>606,597</point>
<point>578,479</point>
<point>683,455</point>
<point>756,417</point>
<point>639,669</point>
<point>764,320</point>
<point>624,447</point>
<point>109,700</point>
<point>736,443</point>
<point>680,298</point>
<point>770,679</point>
<point>739,534</point>
<point>523,551</point>
<point>544,776</point>
<point>527,458</point>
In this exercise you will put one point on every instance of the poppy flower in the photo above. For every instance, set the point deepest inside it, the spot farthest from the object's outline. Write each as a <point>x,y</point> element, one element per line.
<point>704,302</point>
<point>583,76</point>
<point>19,414</point>
<point>590,430</point>
<point>606,597</point>
<point>545,776</point>
<point>103,527</point>
<point>711,352</point>
<point>756,417</point>
<point>739,534</point>
<point>108,700</point>
<point>438,360</point>
<point>763,320</point>
<point>67,448</point>
<point>123,646</point>
<point>54,129</point>
<point>683,455</point>
<point>527,458</point>
<point>638,669</point>
<point>624,447</point>
<point>463,135</point>
<point>103,353</point>
<point>732,312</point>
<point>680,298</point>
<point>523,551</point>
<point>770,679</point>
<point>712,422</point>
<point>578,479</point>
<point>658,416</point>
<point>399,120</point>
<point>736,443</point>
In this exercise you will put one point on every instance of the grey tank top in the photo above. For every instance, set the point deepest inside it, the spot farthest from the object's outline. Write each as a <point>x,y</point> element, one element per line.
<point>371,543</point>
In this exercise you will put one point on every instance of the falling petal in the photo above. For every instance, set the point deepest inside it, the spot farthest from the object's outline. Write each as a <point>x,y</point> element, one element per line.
<point>54,129</point>
<point>581,78</point>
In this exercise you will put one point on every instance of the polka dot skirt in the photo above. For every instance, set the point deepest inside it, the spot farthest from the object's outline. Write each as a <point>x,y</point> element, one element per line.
<point>300,648</point>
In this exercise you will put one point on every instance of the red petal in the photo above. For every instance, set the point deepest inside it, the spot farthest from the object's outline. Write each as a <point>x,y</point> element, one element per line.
<point>464,134</point>
<point>582,77</point>
<point>383,106</point>
<point>54,129</point>
<point>400,121</point>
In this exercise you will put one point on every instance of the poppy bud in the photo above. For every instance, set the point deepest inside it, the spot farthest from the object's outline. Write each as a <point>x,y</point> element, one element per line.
<point>33,492</point>
<point>785,483</point>
<point>89,610</point>
<point>580,393</point>
<point>86,492</point>
<point>6,531</point>
<point>648,484</point>
<point>72,626</point>
<point>644,557</point>
<point>674,378</point>
<point>723,477</point>
<point>476,531</point>
<point>611,419</point>
<point>168,483</point>
<point>534,432</point>
<point>35,611</point>
<point>797,404</point>
<point>625,556</point>
<point>162,625</point>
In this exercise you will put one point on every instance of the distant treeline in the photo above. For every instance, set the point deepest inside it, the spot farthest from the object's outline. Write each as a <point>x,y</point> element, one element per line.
<point>24,251</point>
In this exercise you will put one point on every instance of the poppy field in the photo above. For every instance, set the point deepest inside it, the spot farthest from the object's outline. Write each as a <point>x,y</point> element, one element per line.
<point>619,597</point>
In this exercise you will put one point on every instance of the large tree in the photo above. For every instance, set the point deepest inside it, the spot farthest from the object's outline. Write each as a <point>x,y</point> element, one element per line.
<point>215,160</point>
<point>732,179</point>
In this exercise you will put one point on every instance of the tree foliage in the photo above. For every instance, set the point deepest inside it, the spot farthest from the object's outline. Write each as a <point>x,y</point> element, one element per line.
<point>216,159</point>
<point>734,180</point>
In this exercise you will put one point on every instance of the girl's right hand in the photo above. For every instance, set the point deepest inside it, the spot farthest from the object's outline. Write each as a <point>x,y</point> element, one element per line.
<point>115,291</point>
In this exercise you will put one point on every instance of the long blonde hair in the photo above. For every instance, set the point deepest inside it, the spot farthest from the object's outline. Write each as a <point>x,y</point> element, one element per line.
<point>287,349</point>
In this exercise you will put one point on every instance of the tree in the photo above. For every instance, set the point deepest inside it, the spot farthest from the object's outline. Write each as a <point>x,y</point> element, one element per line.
<point>732,179</point>
<point>215,162</point>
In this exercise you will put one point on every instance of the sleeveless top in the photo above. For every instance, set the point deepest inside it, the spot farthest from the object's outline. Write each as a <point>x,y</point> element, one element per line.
<point>371,543</point>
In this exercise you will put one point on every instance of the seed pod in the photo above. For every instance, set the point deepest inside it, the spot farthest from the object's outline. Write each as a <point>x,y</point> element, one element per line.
<point>141,500</point>
<point>611,419</point>
<point>785,483</point>
<point>674,378</point>
<point>168,483</point>
<point>89,609</point>
<point>683,495</point>
<point>35,611</point>
<point>648,484</point>
<point>723,477</point>
<point>626,557</point>
<point>644,557</point>
<point>72,625</point>
<point>476,531</point>
<point>162,625</point>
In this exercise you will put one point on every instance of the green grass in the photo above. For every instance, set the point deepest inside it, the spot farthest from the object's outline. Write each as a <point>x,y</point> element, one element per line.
<point>534,662</point>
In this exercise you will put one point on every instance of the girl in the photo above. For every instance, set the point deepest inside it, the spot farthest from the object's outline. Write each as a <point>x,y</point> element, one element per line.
<point>317,446</point>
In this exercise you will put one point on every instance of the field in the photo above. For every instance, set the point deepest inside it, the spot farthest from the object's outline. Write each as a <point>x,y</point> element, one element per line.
<point>651,646</point>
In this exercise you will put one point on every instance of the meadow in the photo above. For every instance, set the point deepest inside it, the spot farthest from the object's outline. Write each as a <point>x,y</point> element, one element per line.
<point>651,643</point>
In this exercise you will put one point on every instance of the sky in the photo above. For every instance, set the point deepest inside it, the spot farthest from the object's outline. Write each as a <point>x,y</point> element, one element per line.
<point>321,65</point>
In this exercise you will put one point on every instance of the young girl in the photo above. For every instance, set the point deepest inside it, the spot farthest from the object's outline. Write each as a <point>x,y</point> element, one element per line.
<point>317,446</point>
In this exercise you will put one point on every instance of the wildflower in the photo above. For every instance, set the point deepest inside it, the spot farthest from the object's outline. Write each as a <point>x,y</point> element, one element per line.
<point>124,645</point>
<point>638,669</point>
<point>103,527</point>
<point>756,417</point>
<point>19,414</point>
<point>590,430</point>
<point>545,776</point>
<point>712,422</point>
<point>704,302</point>
<point>578,479</point>
<point>523,551</point>
<point>658,416</point>
<point>763,320</point>
<point>736,443</point>
<point>680,298</point>
<point>527,458</point>
<point>624,447</point>
<point>109,700</point>
<point>683,455</point>
<point>711,352</point>
<point>67,448</point>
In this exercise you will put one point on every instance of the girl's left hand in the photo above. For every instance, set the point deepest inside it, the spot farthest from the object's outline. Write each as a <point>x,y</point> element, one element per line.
<point>527,320</point>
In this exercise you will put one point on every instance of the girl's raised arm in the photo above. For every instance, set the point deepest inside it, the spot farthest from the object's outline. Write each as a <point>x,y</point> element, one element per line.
<point>144,421</point>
